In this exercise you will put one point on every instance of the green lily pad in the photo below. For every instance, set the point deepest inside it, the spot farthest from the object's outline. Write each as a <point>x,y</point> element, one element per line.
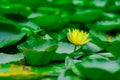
<point>49,10</point>
<point>60,35</point>
<point>46,21</point>
<point>98,68</point>
<point>7,58</point>
<point>13,72</point>
<point>85,15</point>
<point>108,55</point>
<point>21,72</point>
<point>9,33</point>
<point>101,39</point>
<point>38,51</point>
<point>92,48</point>
<point>64,49</point>
<point>104,25</point>
<point>15,9</point>
<point>68,75</point>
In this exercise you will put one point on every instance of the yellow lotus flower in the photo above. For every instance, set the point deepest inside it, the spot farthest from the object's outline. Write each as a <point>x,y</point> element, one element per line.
<point>78,37</point>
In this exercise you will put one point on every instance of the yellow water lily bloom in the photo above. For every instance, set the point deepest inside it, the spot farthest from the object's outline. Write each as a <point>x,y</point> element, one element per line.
<point>78,37</point>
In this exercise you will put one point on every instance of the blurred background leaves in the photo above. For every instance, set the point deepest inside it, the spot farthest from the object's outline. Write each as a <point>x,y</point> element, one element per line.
<point>38,28</point>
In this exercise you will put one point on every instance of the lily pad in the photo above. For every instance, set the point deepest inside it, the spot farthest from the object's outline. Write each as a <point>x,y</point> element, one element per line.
<point>38,51</point>
<point>21,72</point>
<point>64,49</point>
<point>9,33</point>
<point>102,40</point>
<point>104,25</point>
<point>7,58</point>
<point>97,69</point>
<point>15,9</point>
<point>47,21</point>
<point>85,15</point>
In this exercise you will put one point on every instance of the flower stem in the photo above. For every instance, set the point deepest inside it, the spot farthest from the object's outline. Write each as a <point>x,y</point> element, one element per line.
<point>75,48</point>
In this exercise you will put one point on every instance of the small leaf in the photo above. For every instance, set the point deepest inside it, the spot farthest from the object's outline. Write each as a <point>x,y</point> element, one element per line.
<point>64,49</point>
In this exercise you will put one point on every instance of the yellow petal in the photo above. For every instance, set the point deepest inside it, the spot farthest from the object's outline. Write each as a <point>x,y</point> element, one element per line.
<point>78,37</point>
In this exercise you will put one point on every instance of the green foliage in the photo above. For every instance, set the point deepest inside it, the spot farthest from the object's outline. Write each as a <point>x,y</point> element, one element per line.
<point>6,58</point>
<point>102,40</point>
<point>85,15</point>
<point>38,54</point>
<point>34,44</point>
<point>13,72</point>
<point>97,70</point>
<point>104,25</point>
<point>9,33</point>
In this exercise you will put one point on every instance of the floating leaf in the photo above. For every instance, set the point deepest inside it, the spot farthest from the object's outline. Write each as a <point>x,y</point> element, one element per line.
<point>7,58</point>
<point>102,40</point>
<point>97,69</point>
<point>9,33</point>
<point>85,16</point>
<point>38,51</point>
<point>21,72</point>
<point>104,25</point>
<point>64,49</point>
